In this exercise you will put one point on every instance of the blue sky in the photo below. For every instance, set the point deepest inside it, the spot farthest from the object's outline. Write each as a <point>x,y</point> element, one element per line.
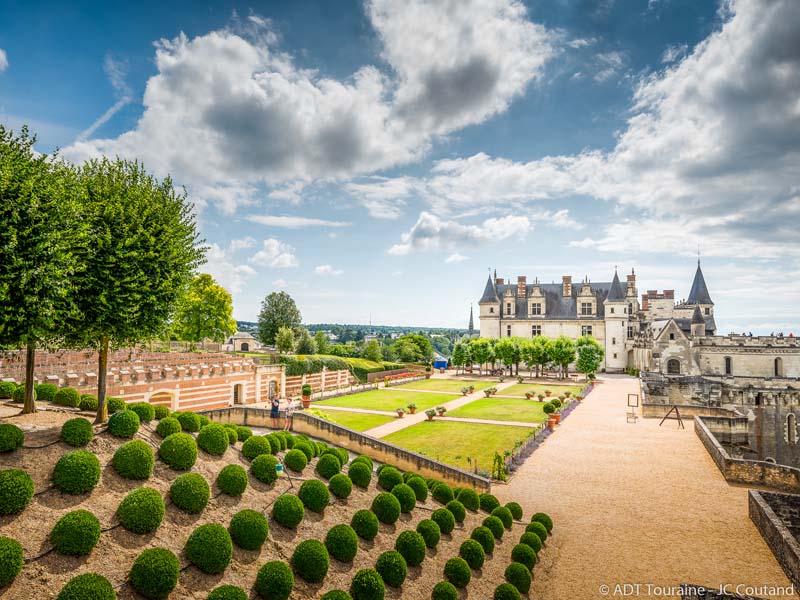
<point>375,159</point>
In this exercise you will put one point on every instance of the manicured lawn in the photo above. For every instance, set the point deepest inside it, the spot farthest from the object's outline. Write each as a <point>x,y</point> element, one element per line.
<point>387,400</point>
<point>502,409</point>
<point>353,420</point>
<point>555,389</point>
<point>453,442</point>
<point>445,385</point>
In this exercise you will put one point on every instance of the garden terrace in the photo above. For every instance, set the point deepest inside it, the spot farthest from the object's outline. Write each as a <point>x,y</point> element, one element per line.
<point>520,389</point>
<point>445,385</point>
<point>388,400</point>
<point>357,421</point>
<point>502,409</point>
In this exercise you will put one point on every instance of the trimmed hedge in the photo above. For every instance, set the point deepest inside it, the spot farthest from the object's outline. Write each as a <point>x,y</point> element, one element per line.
<point>249,529</point>
<point>340,486</point>
<point>18,394</point>
<point>310,561</point>
<point>519,576</point>
<point>190,492</point>
<point>76,472</point>
<point>430,532</point>
<point>227,592</point>
<point>89,586</point>
<point>328,466</point>
<point>134,460</point>
<point>360,473</point>
<point>469,498</point>
<point>264,468</point>
<point>11,560</point>
<point>419,486</point>
<point>295,460</point>
<point>515,509</point>
<point>412,546</point>
<point>288,510</point>
<point>406,496</point>
<point>314,495</point>
<point>506,591</point>
<point>502,513</point>
<point>365,524</point>
<point>392,568</point>
<point>16,491</point>
<point>336,595</point>
<point>544,519</point>
<point>243,433</point>
<point>458,510</point>
<point>189,421</point>
<point>124,423</point>
<point>367,585</point>
<point>484,536</point>
<point>154,573</point>
<point>213,438</point>
<point>495,525</point>
<point>274,443</point>
<point>45,391</point>
<point>305,448</point>
<point>386,507</point>
<point>76,432</point>
<point>342,543</point>
<point>88,403</point>
<point>67,396</point>
<point>167,426</point>
<point>443,493</point>
<point>456,571</point>
<point>365,459</point>
<point>472,552</point>
<point>115,404</point>
<point>488,502</point>
<point>388,477</point>
<point>142,510</point>
<point>209,548</point>
<point>144,410</point>
<point>444,590</point>
<point>7,389</point>
<point>232,480</point>
<point>179,451</point>
<point>539,529</point>
<point>160,411</point>
<point>204,420</point>
<point>12,437</point>
<point>255,446</point>
<point>524,554</point>
<point>274,581</point>
<point>529,538</point>
<point>444,519</point>
<point>76,533</point>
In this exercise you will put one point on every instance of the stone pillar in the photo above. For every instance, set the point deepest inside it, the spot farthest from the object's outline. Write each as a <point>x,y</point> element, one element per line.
<point>155,374</point>
<point>90,379</point>
<point>176,397</point>
<point>124,376</point>
<point>193,370</point>
<point>168,372</point>
<point>72,380</point>
<point>180,372</point>
<point>49,379</point>
<point>322,379</point>
<point>258,385</point>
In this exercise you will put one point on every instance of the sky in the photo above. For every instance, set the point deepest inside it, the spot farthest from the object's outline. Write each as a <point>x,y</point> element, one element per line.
<point>375,159</point>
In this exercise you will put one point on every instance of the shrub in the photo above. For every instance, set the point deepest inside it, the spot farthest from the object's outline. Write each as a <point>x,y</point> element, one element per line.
<point>204,420</point>
<point>515,509</point>
<point>328,466</point>
<point>274,581</point>
<point>144,410</point>
<point>243,433</point>
<point>209,548</point>
<point>76,432</point>
<point>342,542</point>
<point>10,560</point>
<point>524,554</point>
<point>519,576</point>
<point>444,590</point>
<point>444,519</point>
<point>77,472</point>
<point>386,507</point>
<point>288,510</point>
<point>458,510</point>
<point>305,449</point>
<point>142,510</point>
<point>123,424</point>
<point>412,546</point>
<point>365,459</point>
<point>16,491</point>
<point>154,573</point>
<point>367,585</point>
<point>179,451</point>
<point>365,524</point>
<point>336,595</point>
<point>115,404</point>
<point>160,411</point>
<point>11,437</point>
<point>167,426</point>
<point>359,473</point>
<point>443,493</point>
<point>344,455</point>
<point>213,438</point>
<point>227,592</point>
<point>340,486</point>
<point>506,591</point>
<point>544,519</point>
<point>537,528</point>
<point>256,445</point>
<point>67,396</point>
<point>190,492</point>
<point>485,537</point>
<point>392,568</point>
<point>388,477</point>
<point>233,437</point>
<point>76,533</point>
<point>488,502</point>
<point>310,561</point>
<point>18,394</point>
<point>495,525</point>
<point>189,421</point>
<point>430,532</point>
<point>295,460</point>
<point>134,460</point>
<point>406,496</point>
<point>88,403</point>
<point>472,552</point>
<point>89,586</point>
<point>249,529</point>
<point>232,480</point>
<point>531,539</point>
<point>502,513</point>
<point>456,571</point>
<point>420,488</point>
<point>549,408</point>
<point>274,443</point>
<point>264,468</point>
<point>7,389</point>
<point>314,495</point>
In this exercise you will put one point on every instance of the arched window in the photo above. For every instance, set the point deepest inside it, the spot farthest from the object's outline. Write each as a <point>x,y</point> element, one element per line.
<point>245,347</point>
<point>673,366</point>
<point>728,365</point>
<point>791,428</point>
<point>778,367</point>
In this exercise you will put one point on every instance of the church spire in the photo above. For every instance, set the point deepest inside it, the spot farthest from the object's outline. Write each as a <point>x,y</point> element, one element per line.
<point>699,292</point>
<point>471,322</point>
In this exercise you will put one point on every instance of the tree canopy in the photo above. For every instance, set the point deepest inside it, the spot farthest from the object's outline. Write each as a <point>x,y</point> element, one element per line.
<point>284,339</point>
<point>278,310</point>
<point>205,311</point>
<point>305,343</point>
<point>590,355</point>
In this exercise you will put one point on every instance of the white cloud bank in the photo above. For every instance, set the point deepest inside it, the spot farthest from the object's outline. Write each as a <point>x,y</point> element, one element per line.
<point>3,60</point>
<point>276,254</point>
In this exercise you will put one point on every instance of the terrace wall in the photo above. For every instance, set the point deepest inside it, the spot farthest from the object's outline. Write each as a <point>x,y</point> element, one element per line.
<point>775,528</point>
<point>658,410</point>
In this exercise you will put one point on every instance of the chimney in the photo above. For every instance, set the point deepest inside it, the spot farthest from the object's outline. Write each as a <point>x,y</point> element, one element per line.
<point>522,291</point>
<point>566,284</point>
<point>644,301</point>
<point>498,281</point>
<point>669,294</point>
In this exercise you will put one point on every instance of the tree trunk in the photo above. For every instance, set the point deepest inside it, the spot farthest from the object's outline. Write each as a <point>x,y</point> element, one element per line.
<point>102,370</point>
<point>29,404</point>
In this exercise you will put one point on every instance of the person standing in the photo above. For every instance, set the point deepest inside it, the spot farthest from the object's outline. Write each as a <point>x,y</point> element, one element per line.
<point>287,423</point>
<point>274,412</point>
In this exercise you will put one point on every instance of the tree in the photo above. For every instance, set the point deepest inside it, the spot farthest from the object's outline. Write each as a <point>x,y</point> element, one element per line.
<point>481,352</point>
<point>38,234</point>
<point>460,356</point>
<point>277,310</point>
<point>509,350</point>
<point>142,252</point>
<point>407,350</point>
<point>305,343</point>
<point>204,311</point>
<point>562,353</point>
<point>590,355</point>
<point>424,348</point>
<point>373,351</point>
<point>284,340</point>
<point>536,353</point>
<point>321,340</point>
<point>388,353</point>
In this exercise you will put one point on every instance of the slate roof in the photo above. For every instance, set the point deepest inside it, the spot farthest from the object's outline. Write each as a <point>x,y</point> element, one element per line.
<point>697,316</point>
<point>489,293</point>
<point>557,307</point>
<point>699,292</point>
<point>616,293</point>
<point>685,324</point>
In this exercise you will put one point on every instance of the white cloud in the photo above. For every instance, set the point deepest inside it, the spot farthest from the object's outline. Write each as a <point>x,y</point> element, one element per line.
<point>455,257</point>
<point>581,42</point>
<point>3,60</point>
<point>116,75</point>
<point>280,283</point>
<point>275,253</point>
<point>673,53</point>
<point>327,270</point>
<point>221,264</point>
<point>294,222</point>
<point>607,65</point>
<point>383,197</point>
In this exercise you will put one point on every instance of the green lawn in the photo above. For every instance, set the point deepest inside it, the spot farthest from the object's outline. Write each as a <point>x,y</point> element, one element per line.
<point>445,385</point>
<point>502,409</point>
<point>353,420</point>
<point>387,400</point>
<point>452,442</point>
<point>555,389</point>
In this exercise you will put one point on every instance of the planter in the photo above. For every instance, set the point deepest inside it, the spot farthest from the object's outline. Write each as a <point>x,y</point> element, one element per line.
<point>430,417</point>
<point>441,412</point>
<point>551,423</point>
<point>557,417</point>
<point>400,415</point>
<point>568,394</point>
<point>547,394</point>
<point>412,410</point>
<point>427,375</point>
<point>528,396</point>
<point>306,401</point>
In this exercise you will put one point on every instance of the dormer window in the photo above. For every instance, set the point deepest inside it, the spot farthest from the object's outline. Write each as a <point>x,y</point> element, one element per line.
<point>612,310</point>
<point>491,309</point>
<point>508,308</point>
<point>536,308</point>
<point>708,311</point>
<point>586,308</point>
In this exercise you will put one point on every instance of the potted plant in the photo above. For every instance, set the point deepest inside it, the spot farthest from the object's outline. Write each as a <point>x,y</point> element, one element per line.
<point>541,397</point>
<point>465,391</point>
<point>400,412</point>
<point>578,397</point>
<point>412,408</point>
<point>487,392</point>
<point>441,410</point>
<point>520,379</point>
<point>556,414</point>
<point>428,372</point>
<point>550,410</point>
<point>501,379</point>
<point>430,413</point>
<point>528,395</point>
<point>561,397</point>
<point>471,388</point>
<point>568,393</point>
<point>306,396</point>
<point>547,393</point>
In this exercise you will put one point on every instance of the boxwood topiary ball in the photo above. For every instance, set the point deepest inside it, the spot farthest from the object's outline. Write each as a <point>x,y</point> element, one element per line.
<point>190,492</point>
<point>288,510</point>
<point>488,502</point>
<point>89,586</point>
<point>204,420</point>
<point>386,507</point>
<point>134,460</point>
<point>256,445</point>
<point>115,405</point>
<point>310,561</point>
<point>7,389</point>
<point>142,510</point>
<point>213,438</point>
<point>305,449</point>
<point>328,466</point>
<point>340,486</point>
<point>76,432</point>
<point>530,538</point>
<point>495,525</point>
<point>342,542</point>
<point>18,394</point>
<point>295,460</point>
<point>209,548</point>
<point>516,510</point>
<point>365,524</point>
<point>412,546</point>
<point>16,491</point>
<point>336,595</point>
<point>274,442</point>
<point>249,529</point>
<point>485,537</point>
<point>12,437</point>
<point>472,552</point>
<point>456,571</point>
<point>506,591</point>
<point>76,472</point>
<point>502,513</point>
<point>232,480</point>
<point>243,433</point>
<point>430,532</point>
<point>45,391</point>
<point>419,486</point>
<point>160,412</point>
<point>67,396</point>
<point>406,496</point>
<point>458,510</point>
<point>189,421</point>
<point>444,590</point>
<point>88,402</point>
<point>227,592</point>
<point>11,560</point>
<point>469,498</point>
<point>274,581</point>
<point>179,451</point>
<point>314,495</point>
<point>264,468</point>
<point>537,528</point>
<point>519,576</point>
<point>124,423</point>
<point>544,519</point>
<point>388,477</point>
<point>154,573</point>
<point>360,474</point>
<point>233,437</point>
<point>167,426</point>
<point>365,459</point>
<point>367,585</point>
<point>443,493</point>
<point>144,410</point>
<point>444,519</point>
<point>524,554</point>
<point>76,533</point>
<point>392,568</point>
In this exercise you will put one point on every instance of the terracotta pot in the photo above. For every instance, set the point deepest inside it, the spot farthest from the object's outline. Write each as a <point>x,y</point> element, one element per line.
<point>551,423</point>
<point>306,401</point>
<point>412,410</point>
<point>547,394</point>
<point>430,417</point>
<point>557,417</point>
<point>427,375</point>
<point>400,415</point>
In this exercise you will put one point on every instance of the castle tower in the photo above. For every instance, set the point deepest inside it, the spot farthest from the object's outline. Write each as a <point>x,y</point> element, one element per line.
<point>698,326</point>
<point>699,297</point>
<point>471,329</point>
<point>616,318</point>
<point>489,310</point>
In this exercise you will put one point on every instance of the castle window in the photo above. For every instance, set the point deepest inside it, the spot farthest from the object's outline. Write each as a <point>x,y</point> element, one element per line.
<point>508,308</point>
<point>491,309</point>
<point>508,330</point>
<point>586,330</point>
<point>586,308</point>
<point>728,365</point>
<point>613,341</point>
<point>630,332</point>
<point>630,308</point>
<point>708,311</point>
<point>536,330</point>
<point>778,367</point>
<point>673,366</point>
<point>612,310</point>
<point>615,355</point>
<point>791,428</point>
<point>672,336</point>
<point>536,308</point>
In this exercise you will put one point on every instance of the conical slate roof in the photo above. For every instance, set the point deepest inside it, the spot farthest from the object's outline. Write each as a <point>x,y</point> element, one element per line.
<point>697,317</point>
<point>699,292</point>
<point>489,293</point>
<point>616,294</point>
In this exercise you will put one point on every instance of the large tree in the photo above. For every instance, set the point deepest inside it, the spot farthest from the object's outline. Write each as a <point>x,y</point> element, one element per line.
<point>305,343</point>
<point>590,355</point>
<point>536,353</point>
<point>509,350</point>
<point>143,249</point>
<point>373,351</point>
<point>321,340</point>
<point>405,344</point>
<point>277,310</point>
<point>38,235</point>
<point>284,339</point>
<point>205,311</point>
<point>460,355</point>
<point>562,353</point>
<point>481,351</point>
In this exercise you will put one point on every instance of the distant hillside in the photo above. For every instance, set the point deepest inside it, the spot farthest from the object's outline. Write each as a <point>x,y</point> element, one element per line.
<point>252,327</point>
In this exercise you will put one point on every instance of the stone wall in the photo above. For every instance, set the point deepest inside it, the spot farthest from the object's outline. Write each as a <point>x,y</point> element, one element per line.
<point>777,518</point>
<point>687,411</point>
